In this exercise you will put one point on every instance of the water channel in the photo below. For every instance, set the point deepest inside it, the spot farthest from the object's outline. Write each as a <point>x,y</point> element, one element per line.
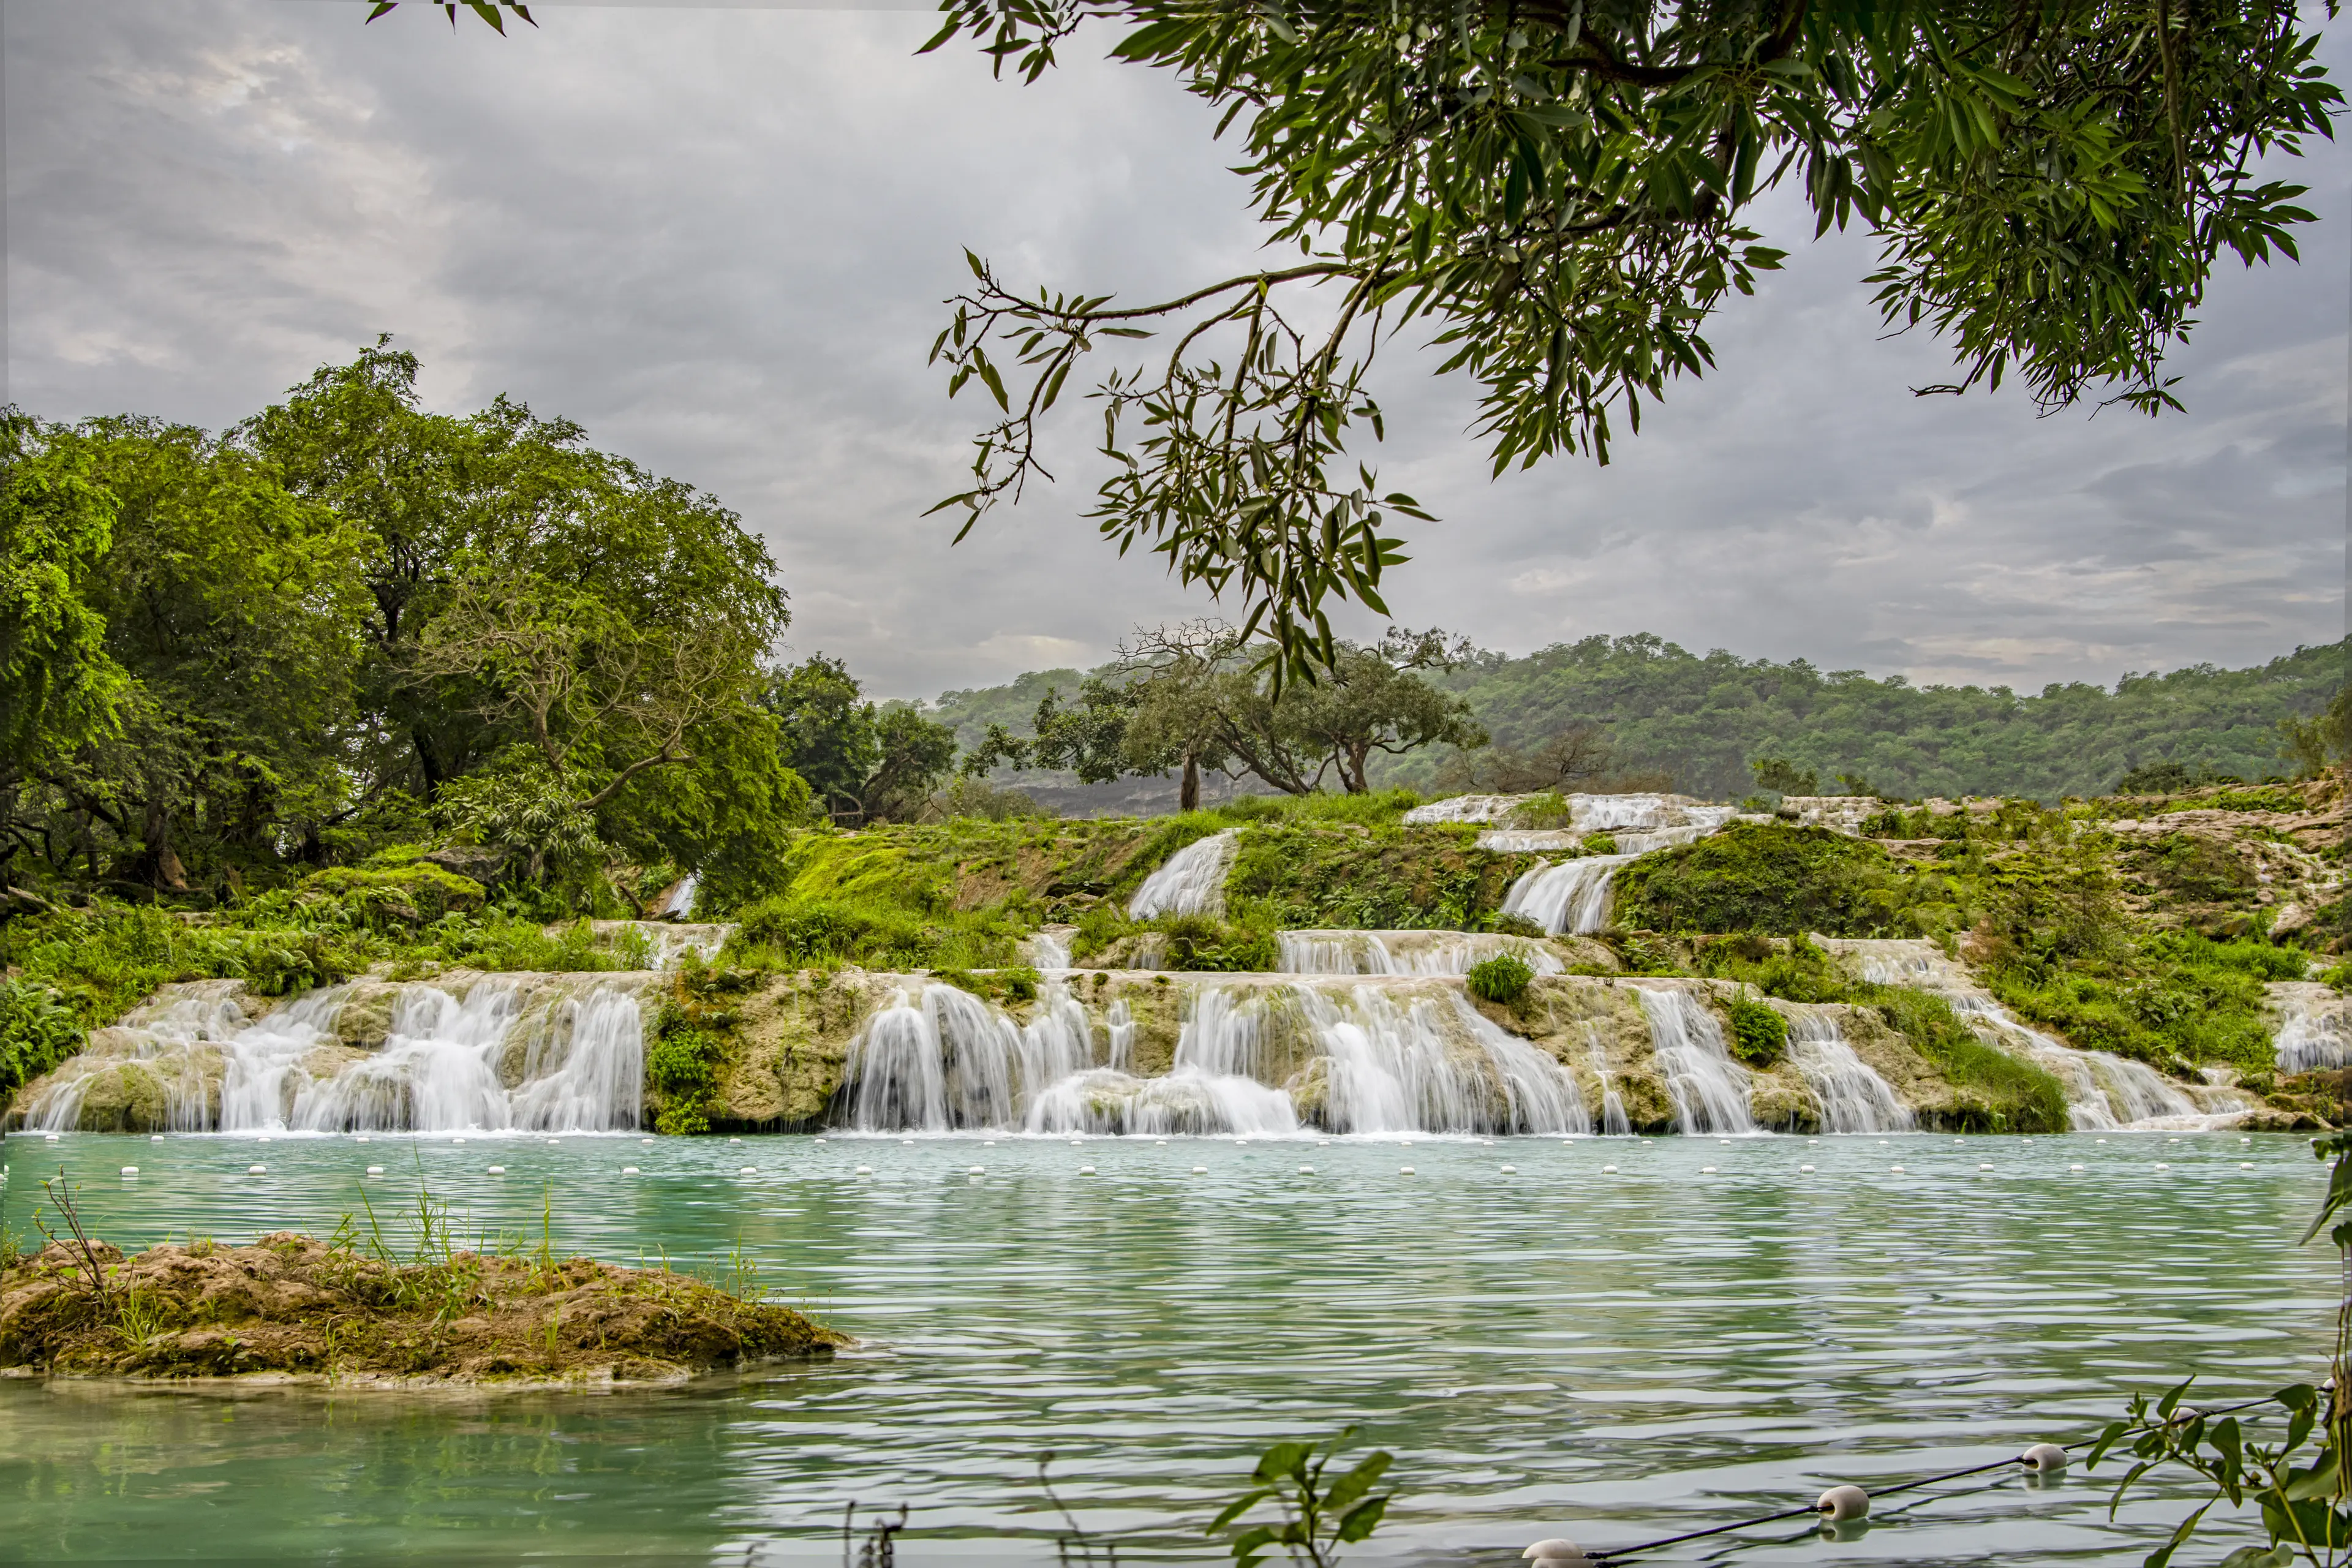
<point>1557,1350</point>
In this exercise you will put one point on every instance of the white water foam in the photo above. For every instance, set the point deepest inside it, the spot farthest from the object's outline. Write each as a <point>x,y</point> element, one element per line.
<point>1404,952</point>
<point>1572,896</point>
<point>1192,882</point>
<point>2314,1030</point>
<point>1853,1097</point>
<point>497,1053</point>
<point>1709,1090</point>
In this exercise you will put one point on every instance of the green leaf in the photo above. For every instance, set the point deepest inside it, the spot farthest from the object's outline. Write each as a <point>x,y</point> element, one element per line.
<point>1283,1459</point>
<point>1363,1519</point>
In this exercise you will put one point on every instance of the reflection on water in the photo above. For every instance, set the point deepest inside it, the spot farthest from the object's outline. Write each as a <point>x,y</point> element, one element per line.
<point>1559,1351</point>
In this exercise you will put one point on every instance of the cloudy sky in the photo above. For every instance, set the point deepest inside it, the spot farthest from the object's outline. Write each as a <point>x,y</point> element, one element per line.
<point>719,238</point>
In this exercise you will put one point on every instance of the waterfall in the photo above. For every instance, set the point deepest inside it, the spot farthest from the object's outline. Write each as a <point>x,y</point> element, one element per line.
<point>1571,896</point>
<point>942,1059</point>
<point>679,903</point>
<point>1192,882</point>
<point>2104,1092</point>
<point>177,1042</point>
<point>1405,952</point>
<point>1119,1024</point>
<point>1708,1089</point>
<point>2312,1027</point>
<point>1050,951</point>
<point>1539,1094</point>
<point>1853,1097</point>
<point>536,1053</point>
<point>1335,952</point>
<point>1614,1122</point>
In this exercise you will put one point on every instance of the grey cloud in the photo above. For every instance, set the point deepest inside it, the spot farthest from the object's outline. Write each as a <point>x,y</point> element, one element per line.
<point>719,238</point>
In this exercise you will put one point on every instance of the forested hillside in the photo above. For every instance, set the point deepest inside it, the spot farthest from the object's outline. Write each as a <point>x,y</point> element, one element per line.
<point>1701,722</point>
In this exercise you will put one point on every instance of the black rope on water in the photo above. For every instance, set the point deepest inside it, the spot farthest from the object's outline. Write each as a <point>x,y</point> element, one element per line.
<point>1606,1553</point>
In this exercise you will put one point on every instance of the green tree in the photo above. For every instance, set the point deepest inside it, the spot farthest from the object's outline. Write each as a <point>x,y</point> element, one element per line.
<point>1558,195</point>
<point>58,686</point>
<point>826,731</point>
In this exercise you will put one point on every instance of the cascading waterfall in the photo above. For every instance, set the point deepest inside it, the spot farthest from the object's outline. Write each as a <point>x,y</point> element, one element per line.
<point>1363,1059</point>
<point>1614,1122</point>
<point>679,904</point>
<point>2312,1027</point>
<point>1404,952</point>
<point>1851,1095</point>
<point>1572,896</point>
<point>2104,1092</point>
<point>939,1058</point>
<point>1709,1090</point>
<point>1049,950</point>
<point>521,1053</point>
<point>1192,882</point>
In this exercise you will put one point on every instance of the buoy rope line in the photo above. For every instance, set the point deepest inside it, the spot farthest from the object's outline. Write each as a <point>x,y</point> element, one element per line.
<point>1850,1503</point>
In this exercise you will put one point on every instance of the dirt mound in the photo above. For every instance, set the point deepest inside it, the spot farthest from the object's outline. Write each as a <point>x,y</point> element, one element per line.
<point>294,1307</point>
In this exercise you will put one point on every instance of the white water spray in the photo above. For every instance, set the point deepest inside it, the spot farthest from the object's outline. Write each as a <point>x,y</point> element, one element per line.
<point>1192,882</point>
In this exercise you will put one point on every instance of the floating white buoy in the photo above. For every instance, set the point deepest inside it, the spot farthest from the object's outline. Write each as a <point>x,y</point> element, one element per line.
<point>1707,1170</point>
<point>1200,1169</point>
<point>2162,1166</point>
<point>909,1142</point>
<point>1322,1142</point>
<point>256,1170</point>
<point>1881,1142</point>
<point>988,1142</point>
<point>730,1140</point>
<point>2245,1164</point>
<point>1558,1549</point>
<point>1405,1143</point>
<point>749,1171</point>
<point>1085,1170</point>
<point>1306,1170</point>
<point>2245,1140</point>
<point>1984,1167</point>
<point>1404,1170</point>
<point>628,1170</point>
<point>865,1170</point>
<point>1802,1169</point>
<point>130,1170</point>
<point>1240,1142</point>
<point>557,1144</point>
<point>976,1171</point>
<point>2173,1139</point>
<point>264,1137</point>
<point>375,1170</point>
<point>1608,1170</point>
<point>453,1140</point>
<point>2073,1167</point>
<point>1075,1141</point>
<point>2043,1457</point>
<point>1510,1170</point>
<point>644,1143</point>
<point>820,1139</point>
<point>362,1138</point>
<point>1894,1170</point>
<point>497,1170</point>
<point>50,1138</point>
<point>1842,1503</point>
<point>158,1138</point>
<point>2098,1140</point>
<point>1161,1141</point>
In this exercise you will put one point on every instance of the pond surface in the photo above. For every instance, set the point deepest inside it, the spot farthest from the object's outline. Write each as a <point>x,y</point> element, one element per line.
<point>1558,1351</point>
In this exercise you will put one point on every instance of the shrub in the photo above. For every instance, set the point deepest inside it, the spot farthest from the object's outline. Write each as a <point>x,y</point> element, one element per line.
<point>1759,1035</point>
<point>403,895</point>
<point>36,1033</point>
<point>1514,925</point>
<point>1505,977</point>
<point>1764,876</point>
<point>681,1059</point>
<point>1599,844</point>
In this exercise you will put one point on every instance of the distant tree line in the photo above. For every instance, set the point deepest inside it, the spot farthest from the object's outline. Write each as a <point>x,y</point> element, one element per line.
<point>1640,712</point>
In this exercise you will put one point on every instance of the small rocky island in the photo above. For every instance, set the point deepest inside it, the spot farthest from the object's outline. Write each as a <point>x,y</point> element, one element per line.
<point>291,1308</point>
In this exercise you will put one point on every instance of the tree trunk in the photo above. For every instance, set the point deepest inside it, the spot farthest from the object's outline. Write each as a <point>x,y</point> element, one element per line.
<point>1352,775</point>
<point>1188,794</point>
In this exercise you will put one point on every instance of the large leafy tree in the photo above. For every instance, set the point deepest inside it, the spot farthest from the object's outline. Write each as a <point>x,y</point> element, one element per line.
<point>1557,193</point>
